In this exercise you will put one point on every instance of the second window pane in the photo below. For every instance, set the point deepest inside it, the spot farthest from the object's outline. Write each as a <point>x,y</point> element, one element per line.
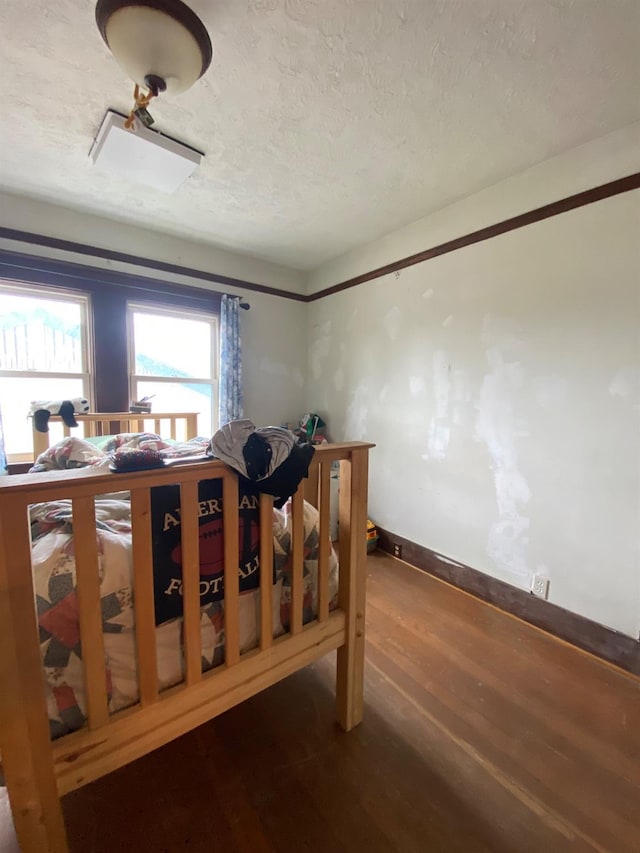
<point>171,346</point>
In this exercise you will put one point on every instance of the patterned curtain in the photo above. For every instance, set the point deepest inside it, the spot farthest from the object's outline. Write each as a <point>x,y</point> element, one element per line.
<point>230,406</point>
<point>3,457</point>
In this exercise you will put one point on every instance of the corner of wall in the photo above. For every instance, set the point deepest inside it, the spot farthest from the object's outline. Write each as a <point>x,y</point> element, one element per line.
<point>597,162</point>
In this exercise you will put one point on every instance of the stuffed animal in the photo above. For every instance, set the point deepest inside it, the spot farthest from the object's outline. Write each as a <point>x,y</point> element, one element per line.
<point>42,409</point>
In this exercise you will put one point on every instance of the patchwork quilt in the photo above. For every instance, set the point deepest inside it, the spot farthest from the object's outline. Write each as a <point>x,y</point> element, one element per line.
<point>53,562</point>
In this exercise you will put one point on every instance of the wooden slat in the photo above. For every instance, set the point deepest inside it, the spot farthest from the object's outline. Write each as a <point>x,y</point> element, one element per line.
<point>172,422</point>
<point>297,557</point>
<point>266,571</point>
<point>40,441</point>
<point>351,591</point>
<point>143,595</point>
<point>230,499</point>
<point>66,431</point>
<point>191,426</point>
<point>24,728</point>
<point>539,737</point>
<point>311,483</point>
<point>84,756</point>
<point>89,753</point>
<point>53,485</point>
<point>156,426</point>
<point>90,611</point>
<point>324,542</point>
<point>191,580</point>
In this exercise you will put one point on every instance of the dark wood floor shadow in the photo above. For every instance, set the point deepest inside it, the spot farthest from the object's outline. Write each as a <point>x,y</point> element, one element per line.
<point>481,735</point>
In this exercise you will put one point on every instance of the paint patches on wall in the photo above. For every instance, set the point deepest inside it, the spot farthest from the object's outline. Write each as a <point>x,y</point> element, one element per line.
<point>416,386</point>
<point>391,322</point>
<point>550,391</point>
<point>320,349</point>
<point>338,379</point>
<point>357,411</point>
<point>273,368</point>
<point>427,294</point>
<point>439,429</point>
<point>625,383</point>
<point>447,321</point>
<point>461,397</point>
<point>277,369</point>
<point>498,426</point>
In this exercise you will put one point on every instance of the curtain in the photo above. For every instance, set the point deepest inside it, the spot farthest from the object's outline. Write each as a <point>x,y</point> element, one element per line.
<point>230,405</point>
<point>3,457</point>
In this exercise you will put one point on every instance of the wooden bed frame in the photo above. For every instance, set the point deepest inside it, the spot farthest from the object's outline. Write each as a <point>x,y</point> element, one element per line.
<point>166,424</point>
<point>38,771</point>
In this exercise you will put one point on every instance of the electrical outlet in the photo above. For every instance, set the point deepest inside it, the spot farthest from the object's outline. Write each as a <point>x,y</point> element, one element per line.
<point>540,586</point>
<point>397,550</point>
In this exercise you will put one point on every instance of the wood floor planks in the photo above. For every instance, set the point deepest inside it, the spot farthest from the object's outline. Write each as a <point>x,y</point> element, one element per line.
<point>481,735</point>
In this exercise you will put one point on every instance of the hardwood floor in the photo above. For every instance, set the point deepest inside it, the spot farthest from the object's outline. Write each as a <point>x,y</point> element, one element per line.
<point>481,733</point>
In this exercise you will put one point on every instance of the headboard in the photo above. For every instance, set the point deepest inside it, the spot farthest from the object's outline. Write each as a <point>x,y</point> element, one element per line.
<point>183,425</point>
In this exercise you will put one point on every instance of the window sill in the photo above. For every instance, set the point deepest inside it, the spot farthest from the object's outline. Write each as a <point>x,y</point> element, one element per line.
<point>18,467</point>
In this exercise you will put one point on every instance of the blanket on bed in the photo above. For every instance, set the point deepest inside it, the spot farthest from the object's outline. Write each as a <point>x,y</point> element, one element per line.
<point>73,452</point>
<point>53,561</point>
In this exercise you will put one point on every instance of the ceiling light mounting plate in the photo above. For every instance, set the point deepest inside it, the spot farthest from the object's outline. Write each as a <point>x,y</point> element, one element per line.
<point>145,157</point>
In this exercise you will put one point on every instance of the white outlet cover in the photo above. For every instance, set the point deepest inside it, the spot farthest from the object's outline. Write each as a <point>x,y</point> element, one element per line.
<point>540,586</point>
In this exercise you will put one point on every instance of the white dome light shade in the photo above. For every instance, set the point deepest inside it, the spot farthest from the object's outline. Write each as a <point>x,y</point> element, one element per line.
<point>161,44</point>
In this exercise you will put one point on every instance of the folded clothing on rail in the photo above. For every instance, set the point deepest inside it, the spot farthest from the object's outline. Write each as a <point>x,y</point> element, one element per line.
<point>269,457</point>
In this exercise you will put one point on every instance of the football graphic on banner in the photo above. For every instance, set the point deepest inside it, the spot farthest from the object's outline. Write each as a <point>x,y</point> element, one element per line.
<point>167,545</point>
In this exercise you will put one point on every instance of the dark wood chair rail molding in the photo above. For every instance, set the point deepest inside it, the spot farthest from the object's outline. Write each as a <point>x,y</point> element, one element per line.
<point>110,255</point>
<point>622,185</point>
<point>590,636</point>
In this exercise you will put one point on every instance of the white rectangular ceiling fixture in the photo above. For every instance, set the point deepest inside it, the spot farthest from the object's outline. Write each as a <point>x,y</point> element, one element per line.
<point>143,156</point>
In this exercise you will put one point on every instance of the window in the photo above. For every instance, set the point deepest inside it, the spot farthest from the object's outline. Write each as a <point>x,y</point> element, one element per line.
<point>71,330</point>
<point>44,354</point>
<point>172,359</point>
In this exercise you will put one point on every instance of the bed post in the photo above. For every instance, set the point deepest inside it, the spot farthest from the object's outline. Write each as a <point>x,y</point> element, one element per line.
<point>352,548</point>
<point>24,729</point>
<point>40,440</point>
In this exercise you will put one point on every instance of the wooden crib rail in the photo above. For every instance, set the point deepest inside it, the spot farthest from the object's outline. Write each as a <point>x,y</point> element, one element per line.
<point>167,424</point>
<point>37,771</point>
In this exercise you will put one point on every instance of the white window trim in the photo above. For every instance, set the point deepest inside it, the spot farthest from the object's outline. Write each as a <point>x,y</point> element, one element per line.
<point>182,313</point>
<point>58,295</point>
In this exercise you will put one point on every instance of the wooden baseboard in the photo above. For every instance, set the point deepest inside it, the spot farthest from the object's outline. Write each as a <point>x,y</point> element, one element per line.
<point>612,646</point>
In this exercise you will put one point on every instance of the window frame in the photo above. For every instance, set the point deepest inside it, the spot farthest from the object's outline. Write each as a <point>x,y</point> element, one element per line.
<point>86,375</point>
<point>109,287</point>
<point>136,306</point>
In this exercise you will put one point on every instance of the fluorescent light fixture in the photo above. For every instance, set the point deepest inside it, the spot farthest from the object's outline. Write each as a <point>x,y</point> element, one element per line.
<point>144,156</point>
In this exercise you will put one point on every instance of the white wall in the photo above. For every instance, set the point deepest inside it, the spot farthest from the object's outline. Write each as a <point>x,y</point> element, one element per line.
<point>274,344</point>
<point>40,217</point>
<point>273,372</point>
<point>597,162</point>
<point>501,384</point>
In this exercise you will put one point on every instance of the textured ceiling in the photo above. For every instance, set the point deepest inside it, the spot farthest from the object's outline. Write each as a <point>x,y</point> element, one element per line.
<point>325,123</point>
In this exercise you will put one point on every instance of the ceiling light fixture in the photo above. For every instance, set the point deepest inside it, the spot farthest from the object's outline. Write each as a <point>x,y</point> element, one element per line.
<point>161,44</point>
